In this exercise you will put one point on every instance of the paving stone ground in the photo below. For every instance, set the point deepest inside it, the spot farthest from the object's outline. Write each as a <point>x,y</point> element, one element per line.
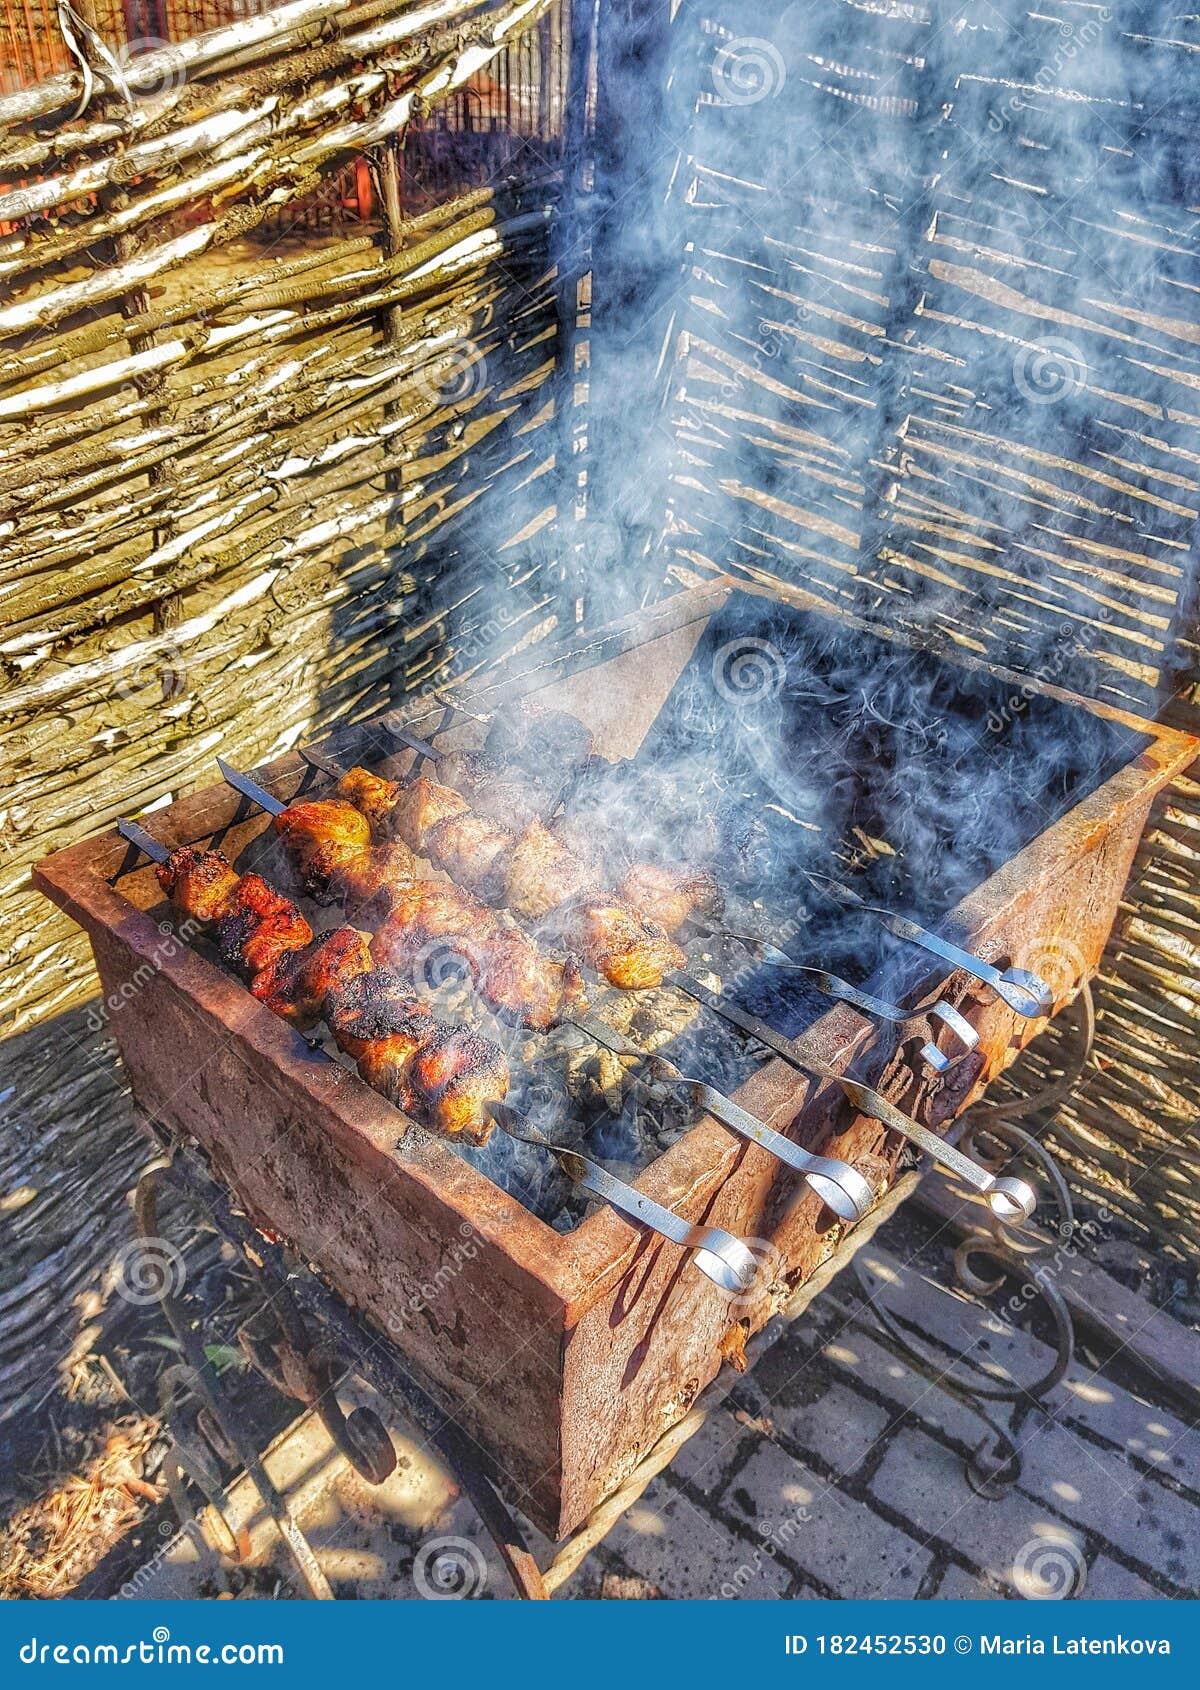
<point>835,1469</point>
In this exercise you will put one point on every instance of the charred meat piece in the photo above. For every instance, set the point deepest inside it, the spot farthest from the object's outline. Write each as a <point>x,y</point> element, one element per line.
<point>297,984</point>
<point>455,1076</point>
<point>199,882</point>
<point>495,789</point>
<point>375,1019</point>
<point>671,896</point>
<point>621,945</point>
<point>537,739</point>
<point>423,913</point>
<point>472,850</point>
<point>374,795</point>
<point>419,807</point>
<point>257,925</point>
<point>373,881</point>
<point>510,973</point>
<point>469,772</point>
<point>324,839</point>
<point>524,986</point>
<point>541,873</point>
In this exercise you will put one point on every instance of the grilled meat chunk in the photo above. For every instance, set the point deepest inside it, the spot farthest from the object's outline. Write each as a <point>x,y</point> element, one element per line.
<point>536,739</point>
<point>524,986</point>
<point>371,884</point>
<point>621,945</point>
<point>324,838</point>
<point>419,807</point>
<point>257,925</point>
<point>297,984</point>
<point>456,1074</point>
<point>374,795</point>
<point>472,850</point>
<point>200,883</point>
<point>510,973</point>
<point>669,895</point>
<point>541,873</point>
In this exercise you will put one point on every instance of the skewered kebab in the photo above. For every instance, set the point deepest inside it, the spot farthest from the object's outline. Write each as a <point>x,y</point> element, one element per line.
<point>839,1185</point>
<point>672,896</point>
<point>329,844</point>
<point>443,1075</point>
<point>421,808</point>
<point>531,873</point>
<point>448,1075</point>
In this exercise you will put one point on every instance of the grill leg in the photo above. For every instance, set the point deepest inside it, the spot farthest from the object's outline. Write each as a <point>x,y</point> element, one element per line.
<point>309,1373</point>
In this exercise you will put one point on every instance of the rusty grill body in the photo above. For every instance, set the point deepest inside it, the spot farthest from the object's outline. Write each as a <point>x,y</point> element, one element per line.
<point>565,1355</point>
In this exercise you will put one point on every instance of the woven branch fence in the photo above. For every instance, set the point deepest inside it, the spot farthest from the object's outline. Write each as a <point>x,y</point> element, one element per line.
<point>246,477</point>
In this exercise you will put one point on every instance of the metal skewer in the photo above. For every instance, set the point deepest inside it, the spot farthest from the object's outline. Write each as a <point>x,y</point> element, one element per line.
<point>718,1254</point>
<point>1017,987</point>
<point>149,847</point>
<point>1009,1198</point>
<point>838,1184</point>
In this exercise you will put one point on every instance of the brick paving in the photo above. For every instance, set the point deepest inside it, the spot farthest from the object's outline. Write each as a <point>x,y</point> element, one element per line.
<point>837,1466</point>
<point>834,1469</point>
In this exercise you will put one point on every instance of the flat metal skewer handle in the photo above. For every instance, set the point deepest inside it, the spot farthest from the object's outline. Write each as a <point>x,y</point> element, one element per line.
<point>839,1185</point>
<point>1020,990</point>
<point>1009,1199</point>
<point>718,1254</point>
<point>721,1257</point>
<point>835,987</point>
